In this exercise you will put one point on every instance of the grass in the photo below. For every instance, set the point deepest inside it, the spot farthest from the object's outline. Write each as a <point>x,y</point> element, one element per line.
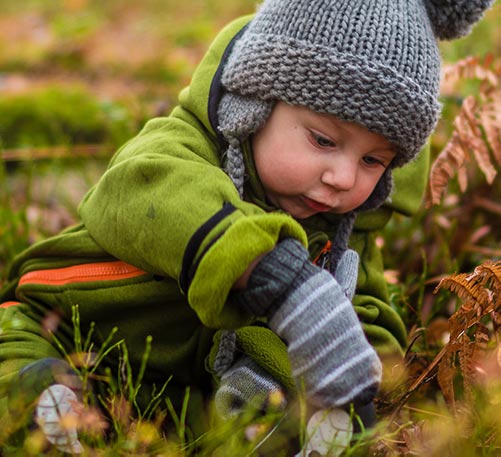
<point>79,77</point>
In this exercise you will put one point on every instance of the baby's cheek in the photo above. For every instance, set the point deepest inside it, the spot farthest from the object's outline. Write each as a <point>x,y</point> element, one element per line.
<point>362,193</point>
<point>292,182</point>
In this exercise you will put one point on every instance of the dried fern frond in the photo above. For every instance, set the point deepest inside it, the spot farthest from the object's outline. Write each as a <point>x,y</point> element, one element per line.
<point>470,67</point>
<point>446,374</point>
<point>490,271</point>
<point>477,130</point>
<point>469,337</point>
<point>465,286</point>
<point>489,118</point>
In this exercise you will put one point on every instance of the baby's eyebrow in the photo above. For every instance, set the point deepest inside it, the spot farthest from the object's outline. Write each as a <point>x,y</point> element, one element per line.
<point>390,147</point>
<point>393,149</point>
<point>391,154</point>
<point>331,119</point>
<point>338,123</point>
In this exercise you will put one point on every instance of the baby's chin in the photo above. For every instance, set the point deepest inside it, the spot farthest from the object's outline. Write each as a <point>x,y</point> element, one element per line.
<point>333,212</point>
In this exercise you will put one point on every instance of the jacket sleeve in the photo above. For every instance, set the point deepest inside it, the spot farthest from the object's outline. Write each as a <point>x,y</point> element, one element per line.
<point>166,206</point>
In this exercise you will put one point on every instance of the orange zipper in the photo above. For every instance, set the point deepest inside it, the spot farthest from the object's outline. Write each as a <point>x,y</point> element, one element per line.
<point>8,304</point>
<point>99,271</point>
<point>321,258</point>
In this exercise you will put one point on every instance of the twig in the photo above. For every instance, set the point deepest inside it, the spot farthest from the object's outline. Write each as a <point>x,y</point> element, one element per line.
<point>488,205</point>
<point>56,152</point>
<point>418,382</point>
<point>484,250</point>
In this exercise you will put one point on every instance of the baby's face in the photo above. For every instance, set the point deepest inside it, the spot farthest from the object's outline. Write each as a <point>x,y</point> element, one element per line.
<point>311,163</point>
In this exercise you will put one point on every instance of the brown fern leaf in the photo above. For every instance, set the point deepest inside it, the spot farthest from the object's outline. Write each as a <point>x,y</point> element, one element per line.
<point>470,133</point>
<point>448,162</point>
<point>473,119</point>
<point>466,287</point>
<point>489,118</point>
<point>469,68</point>
<point>490,271</point>
<point>469,337</point>
<point>477,130</point>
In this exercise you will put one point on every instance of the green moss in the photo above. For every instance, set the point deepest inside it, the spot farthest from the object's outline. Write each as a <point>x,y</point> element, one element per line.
<point>54,116</point>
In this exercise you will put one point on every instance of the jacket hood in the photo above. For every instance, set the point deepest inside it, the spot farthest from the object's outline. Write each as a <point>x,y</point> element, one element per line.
<point>203,94</point>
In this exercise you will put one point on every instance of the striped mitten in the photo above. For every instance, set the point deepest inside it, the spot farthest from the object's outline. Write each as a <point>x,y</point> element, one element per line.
<point>310,309</point>
<point>245,384</point>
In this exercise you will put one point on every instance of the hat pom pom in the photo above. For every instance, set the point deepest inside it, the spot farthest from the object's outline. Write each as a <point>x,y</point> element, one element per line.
<point>454,18</point>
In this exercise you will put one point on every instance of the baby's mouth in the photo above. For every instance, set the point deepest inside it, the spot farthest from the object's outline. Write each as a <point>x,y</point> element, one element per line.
<point>316,206</point>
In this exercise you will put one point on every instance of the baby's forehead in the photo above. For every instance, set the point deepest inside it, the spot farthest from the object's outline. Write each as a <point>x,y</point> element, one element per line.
<point>336,119</point>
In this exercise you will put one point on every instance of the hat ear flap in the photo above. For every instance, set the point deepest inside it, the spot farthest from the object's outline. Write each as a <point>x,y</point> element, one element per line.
<point>380,193</point>
<point>238,118</point>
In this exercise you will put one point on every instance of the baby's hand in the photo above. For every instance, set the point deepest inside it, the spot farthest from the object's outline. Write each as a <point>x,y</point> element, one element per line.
<point>328,350</point>
<point>312,311</point>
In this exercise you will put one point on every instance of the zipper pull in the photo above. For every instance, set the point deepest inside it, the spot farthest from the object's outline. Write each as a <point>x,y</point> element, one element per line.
<point>323,258</point>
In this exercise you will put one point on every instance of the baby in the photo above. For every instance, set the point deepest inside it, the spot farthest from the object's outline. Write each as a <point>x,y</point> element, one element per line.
<point>217,240</point>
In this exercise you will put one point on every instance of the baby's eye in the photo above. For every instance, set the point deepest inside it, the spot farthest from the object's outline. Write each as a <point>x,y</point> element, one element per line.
<point>373,161</point>
<point>323,141</point>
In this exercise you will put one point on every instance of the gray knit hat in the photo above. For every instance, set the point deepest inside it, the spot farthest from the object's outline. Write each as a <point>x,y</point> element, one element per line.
<point>373,62</point>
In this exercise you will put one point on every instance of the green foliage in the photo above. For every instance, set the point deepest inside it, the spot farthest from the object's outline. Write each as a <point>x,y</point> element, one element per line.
<point>52,116</point>
<point>13,223</point>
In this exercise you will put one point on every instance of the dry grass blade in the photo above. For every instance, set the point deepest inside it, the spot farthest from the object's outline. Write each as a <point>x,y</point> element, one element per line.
<point>445,375</point>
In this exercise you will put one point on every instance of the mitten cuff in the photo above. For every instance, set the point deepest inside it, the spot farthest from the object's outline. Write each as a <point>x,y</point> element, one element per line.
<point>272,277</point>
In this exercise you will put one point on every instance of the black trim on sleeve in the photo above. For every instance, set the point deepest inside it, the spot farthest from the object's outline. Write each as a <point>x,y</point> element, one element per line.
<point>189,267</point>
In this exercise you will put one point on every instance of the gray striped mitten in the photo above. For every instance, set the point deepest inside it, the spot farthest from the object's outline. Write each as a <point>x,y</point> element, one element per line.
<point>309,308</point>
<point>245,384</point>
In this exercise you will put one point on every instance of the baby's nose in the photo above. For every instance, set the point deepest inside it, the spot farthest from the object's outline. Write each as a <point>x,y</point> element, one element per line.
<point>341,178</point>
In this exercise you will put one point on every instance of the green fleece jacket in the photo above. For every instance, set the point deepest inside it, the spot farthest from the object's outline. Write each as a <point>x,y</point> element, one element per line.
<point>166,207</point>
